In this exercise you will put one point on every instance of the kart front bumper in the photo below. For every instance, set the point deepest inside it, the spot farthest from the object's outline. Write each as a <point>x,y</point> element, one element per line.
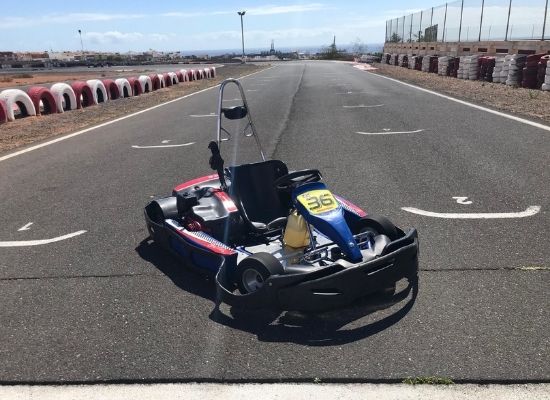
<point>330,287</point>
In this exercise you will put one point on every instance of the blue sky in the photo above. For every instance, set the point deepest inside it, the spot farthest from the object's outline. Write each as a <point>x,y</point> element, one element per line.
<point>184,25</point>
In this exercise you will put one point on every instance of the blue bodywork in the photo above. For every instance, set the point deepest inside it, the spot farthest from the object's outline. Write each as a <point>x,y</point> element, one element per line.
<point>331,223</point>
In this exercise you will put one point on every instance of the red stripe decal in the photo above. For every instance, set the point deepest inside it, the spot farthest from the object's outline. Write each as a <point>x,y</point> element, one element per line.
<point>226,201</point>
<point>195,182</point>
<point>353,208</point>
<point>205,243</point>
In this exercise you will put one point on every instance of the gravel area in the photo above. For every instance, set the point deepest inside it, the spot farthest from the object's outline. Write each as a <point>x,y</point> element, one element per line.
<point>533,104</point>
<point>25,131</point>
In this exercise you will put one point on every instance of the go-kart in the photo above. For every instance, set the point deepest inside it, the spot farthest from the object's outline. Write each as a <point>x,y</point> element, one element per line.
<point>276,238</point>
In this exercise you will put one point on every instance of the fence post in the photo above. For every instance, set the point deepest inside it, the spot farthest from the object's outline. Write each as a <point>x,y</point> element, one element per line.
<point>411,29</point>
<point>481,20</point>
<point>545,17</point>
<point>403,29</point>
<point>420,31</point>
<point>460,25</point>
<point>444,23</point>
<point>391,20</point>
<point>508,20</point>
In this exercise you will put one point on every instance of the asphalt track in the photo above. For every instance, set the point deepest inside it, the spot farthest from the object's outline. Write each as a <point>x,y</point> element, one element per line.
<point>107,305</point>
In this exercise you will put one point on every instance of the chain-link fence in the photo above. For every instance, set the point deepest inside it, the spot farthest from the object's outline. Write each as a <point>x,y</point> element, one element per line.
<point>472,21</point>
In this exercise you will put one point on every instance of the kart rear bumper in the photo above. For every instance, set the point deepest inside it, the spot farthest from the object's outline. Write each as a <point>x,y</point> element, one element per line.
<point>330,287</point>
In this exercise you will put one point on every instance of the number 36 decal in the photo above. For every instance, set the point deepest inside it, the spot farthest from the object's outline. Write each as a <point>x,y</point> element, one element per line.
<point>318,201</point>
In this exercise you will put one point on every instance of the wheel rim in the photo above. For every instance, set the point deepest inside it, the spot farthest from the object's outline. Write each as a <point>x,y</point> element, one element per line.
<point>252,280</point>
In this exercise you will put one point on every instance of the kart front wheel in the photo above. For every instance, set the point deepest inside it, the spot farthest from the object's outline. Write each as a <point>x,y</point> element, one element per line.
<point>378,225</point>
<point>253,271</point>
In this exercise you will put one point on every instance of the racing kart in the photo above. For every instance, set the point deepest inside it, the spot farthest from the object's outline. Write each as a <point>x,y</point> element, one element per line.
<point>276,238</point>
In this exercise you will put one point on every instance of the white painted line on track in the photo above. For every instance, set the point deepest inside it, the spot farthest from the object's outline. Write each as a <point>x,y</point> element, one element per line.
<point>203,115</point>
<point>389,132</point>
<point>162,146</point>
<point>59,139</point>
<point>233,100</point>
<point>25,227</point>
<point>529,212</point>
<point>351,92</point>
<point>252,90</point>
<point>24,243</point>
<point>499,113</point>
<point>363,106</point>
<point>462,200</point>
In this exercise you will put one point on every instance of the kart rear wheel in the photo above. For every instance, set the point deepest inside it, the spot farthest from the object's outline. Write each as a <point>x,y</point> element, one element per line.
<point>378,225</point>
<point>253,271</point>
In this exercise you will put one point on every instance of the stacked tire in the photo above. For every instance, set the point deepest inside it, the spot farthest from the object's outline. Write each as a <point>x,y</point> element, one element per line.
<point>443,66</point>
<point>530,71</point>
<point>546,84</point>
<point>499,63</point>
<point>515,70</point>
<point>486,68</point>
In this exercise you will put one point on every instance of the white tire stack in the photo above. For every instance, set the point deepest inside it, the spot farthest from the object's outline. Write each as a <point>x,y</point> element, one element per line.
<point>442,65</point>
<point>517,62</point>
<point>499,62</point>
<point>426,64</point>
<point>473,67</point>
<point>546,84</point>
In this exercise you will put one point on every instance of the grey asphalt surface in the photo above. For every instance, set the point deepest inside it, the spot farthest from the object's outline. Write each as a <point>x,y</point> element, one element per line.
<point>110,306</point>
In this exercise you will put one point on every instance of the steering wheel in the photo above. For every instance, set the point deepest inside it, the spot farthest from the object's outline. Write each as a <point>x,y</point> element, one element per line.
<point>297,178</point>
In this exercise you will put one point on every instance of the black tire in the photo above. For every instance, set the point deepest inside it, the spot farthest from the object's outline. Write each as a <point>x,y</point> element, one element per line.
<point>259,266</point>
<point>377,223</point>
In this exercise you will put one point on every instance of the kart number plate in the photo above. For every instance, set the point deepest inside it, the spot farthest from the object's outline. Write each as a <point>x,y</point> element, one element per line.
<point>318,201</point>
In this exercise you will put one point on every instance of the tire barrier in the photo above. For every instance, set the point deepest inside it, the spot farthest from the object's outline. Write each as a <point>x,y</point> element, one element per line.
<point>83,93</point>
<point>486,68</point>
<point>155,82</point>
<point>43,100</point>
<point>15,98</point>
<point>112,89</point>
<point>546,84</point>
<point>124,87</point>
<point>515,70</point>
<point>135,85</point>
<point>443,65</point>
<point>531,71</point>
<point>174,77</point>
<point>541,70</point>
<point>499,63</point>
<point>185,75</point>
<point>64,96</point>
<point>3,112</point>
<point>426,64</point>
<point>98,91</point>
<point>167,79</point>
<point>162,81</point>
<point>146,83</point>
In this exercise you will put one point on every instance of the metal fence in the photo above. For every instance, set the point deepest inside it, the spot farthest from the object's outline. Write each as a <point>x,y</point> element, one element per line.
<point>472,21</point>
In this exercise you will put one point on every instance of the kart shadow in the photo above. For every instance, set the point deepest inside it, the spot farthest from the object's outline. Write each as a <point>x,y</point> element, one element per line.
<point>321,329</point>
<point>310,329</point>
<point>187,279</point>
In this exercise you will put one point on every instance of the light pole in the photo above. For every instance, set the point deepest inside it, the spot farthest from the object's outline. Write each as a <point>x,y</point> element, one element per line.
<point>241,13</point>
<point>81,44</point>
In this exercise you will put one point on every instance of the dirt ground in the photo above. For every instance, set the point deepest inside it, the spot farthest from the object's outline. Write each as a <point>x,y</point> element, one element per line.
<point>25,131</point>
<point>534,104</point>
